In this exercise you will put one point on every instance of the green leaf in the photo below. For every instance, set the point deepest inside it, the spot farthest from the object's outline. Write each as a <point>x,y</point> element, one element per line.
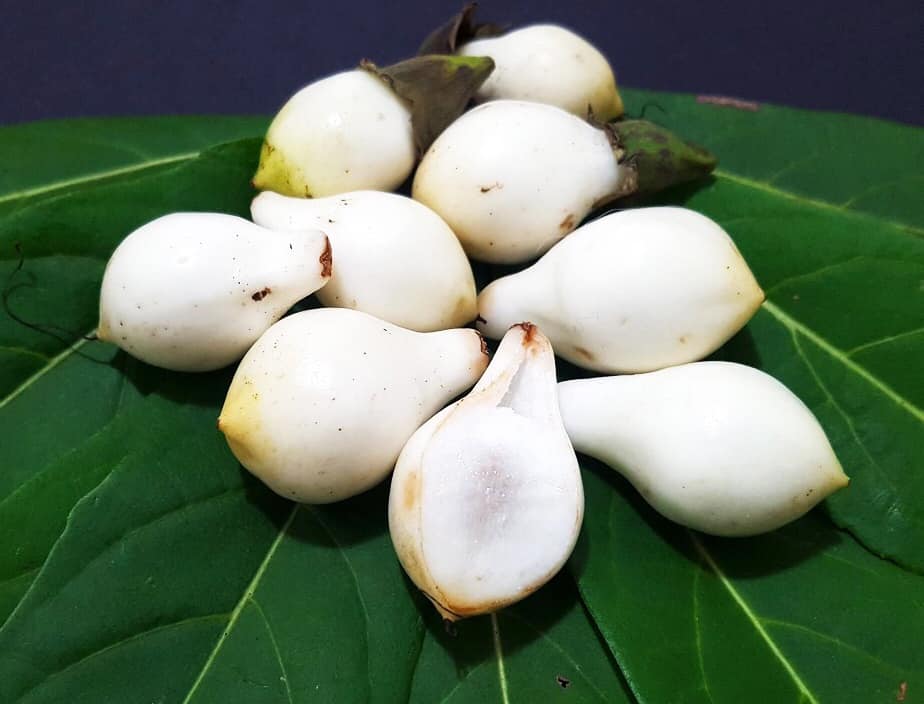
<point>78,189</point>
<point>802,614</point>
<point>542,649</point>
<point>844,318</point>
<point>138,562</point>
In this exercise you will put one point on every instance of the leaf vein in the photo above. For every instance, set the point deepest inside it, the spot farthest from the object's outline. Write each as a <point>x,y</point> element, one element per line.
<point>52,363</point>
<point>792,324</point>
<point>773,190</point>
<point>272,637</point>
<point>118,644</point>
<point>238,608</point>
<point>96,176</point>
<point>753,618</point>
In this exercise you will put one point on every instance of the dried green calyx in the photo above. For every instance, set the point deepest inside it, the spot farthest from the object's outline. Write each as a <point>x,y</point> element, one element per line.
<point>436,87</point>
<point>655,158</point>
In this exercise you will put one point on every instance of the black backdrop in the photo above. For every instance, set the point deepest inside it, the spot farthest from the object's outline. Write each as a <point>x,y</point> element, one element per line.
<point>62,58</point>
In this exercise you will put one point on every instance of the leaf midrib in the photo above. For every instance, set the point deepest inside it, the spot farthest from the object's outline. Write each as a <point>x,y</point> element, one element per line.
<point>96,176</point>
<point>814,202</point>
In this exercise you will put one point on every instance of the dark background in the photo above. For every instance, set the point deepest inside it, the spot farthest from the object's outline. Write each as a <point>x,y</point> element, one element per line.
<point>64,58</point>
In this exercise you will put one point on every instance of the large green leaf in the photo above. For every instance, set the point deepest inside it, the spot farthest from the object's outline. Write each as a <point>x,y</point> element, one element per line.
<point>802,614</point>
<point>177,578</point>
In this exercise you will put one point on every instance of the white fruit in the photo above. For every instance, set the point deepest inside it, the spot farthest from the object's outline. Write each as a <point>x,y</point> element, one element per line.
<point>548,64</point>
<point>633,291</point>
<point>486,501</point>
<point>324,401</point>
<point>396,259</point>
<point>512,178</point>
<point>343,133</point>
<point>719,447</point>
<point>192,291</point>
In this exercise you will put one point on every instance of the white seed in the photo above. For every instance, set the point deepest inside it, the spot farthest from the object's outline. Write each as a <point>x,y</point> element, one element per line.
<point>633,291</point>
<point>512,178</point>
<point>396,259</point>
<point>548,64</point>
<point>486,502</point>
<point>343,133</point>
<point>192,291</point>
<point>719,447</point>
<point>322,404</point>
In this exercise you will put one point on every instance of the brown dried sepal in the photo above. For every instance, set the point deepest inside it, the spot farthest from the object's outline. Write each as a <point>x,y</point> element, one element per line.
<point>437,88</point>
<point>457,30</point>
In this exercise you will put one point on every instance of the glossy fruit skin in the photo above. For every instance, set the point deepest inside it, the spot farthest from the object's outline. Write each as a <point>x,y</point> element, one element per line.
<point>549,64</point>
<point>720,447</point>
<point>192,291</point>
<point>324,401</point>
<point>346,132</point>
<point>396,258</point>
<point>511,178</point>
<point>632,291</point>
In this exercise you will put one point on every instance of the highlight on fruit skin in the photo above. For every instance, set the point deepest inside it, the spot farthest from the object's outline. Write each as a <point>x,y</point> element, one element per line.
<point>346,132</point>
<point>720,447</point>
<point>486,500</point>
<point>549,64</point>
<point>632,291</point>
<point>544,63</point>
<point>193,291</point>
<point>323,402</point>
<point>507,198</point>
<point>365,129</point>
<point>396,258</point>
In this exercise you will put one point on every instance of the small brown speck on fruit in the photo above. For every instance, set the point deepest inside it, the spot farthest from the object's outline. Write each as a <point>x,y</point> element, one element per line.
<point>584,353</point>
<point>326,259</point>
<point>262,293</point>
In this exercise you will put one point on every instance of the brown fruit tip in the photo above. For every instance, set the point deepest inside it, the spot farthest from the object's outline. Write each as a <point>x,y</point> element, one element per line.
<point>326,259</point>
<point>484,344</point>
<point>529,331</point>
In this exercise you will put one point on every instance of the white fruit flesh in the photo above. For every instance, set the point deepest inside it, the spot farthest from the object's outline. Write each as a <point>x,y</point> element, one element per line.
<point>634,291</point>
<point>512,178</point>
<point>719,447</point>
<point>322,404</point>
<point>548,64</point>
<point>343,133</point>
<point>396,258</point>
<point>487,502</point>
<point>192,291</point>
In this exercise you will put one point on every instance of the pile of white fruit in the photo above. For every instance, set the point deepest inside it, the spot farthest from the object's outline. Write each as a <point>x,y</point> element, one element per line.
<point>486,498</point>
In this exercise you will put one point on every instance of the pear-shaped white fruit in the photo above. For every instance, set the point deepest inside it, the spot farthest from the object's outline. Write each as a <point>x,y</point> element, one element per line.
<point>324,401</point>
<point>486,501</point>
<point>633,291</point>
<point>546,63</point>
<point>192,291</point>
<point>347,132</point>
<point>512,178</point>
<point>719,447</point>
<point>396,259</point>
